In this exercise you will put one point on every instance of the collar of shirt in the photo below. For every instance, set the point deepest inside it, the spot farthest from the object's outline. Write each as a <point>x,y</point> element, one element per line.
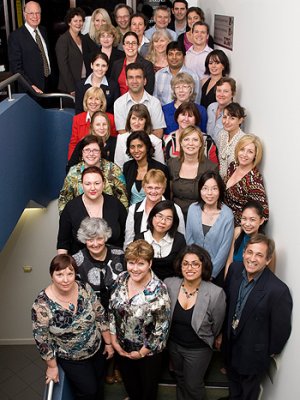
<point>144,40</point>
<point>205,50</point>
<point>31,30</point>
<point>89,81</point>
<point>88,117</point>
<point>255,279</point>
<point>161,248</point>
<point>145,98</point>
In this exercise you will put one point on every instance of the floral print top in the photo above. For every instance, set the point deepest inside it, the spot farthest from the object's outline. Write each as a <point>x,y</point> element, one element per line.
<point>62,333</point>
<point>114,184</point>
<point>143,320</point>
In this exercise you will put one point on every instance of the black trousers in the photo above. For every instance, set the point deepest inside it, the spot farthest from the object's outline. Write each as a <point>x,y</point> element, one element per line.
<point>141,377</point>
<point>243,387</point>
<point>86,376</point>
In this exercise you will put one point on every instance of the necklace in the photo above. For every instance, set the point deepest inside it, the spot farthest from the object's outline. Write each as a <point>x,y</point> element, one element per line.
<point>211,215</point>
<point>70,304</point>
<point>189,294</point>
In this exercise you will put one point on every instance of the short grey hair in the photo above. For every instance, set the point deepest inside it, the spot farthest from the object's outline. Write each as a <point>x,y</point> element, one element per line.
<point>91,228</point>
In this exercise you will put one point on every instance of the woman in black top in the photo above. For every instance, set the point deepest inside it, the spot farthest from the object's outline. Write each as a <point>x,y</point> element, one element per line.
<point>162,234</point>
<point>140,149</point>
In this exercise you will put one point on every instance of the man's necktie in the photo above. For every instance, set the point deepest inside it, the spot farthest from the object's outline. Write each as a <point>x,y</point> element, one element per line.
<point>42,50</point>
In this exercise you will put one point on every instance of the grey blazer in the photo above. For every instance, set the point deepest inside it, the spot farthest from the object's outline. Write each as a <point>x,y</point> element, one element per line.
<point>209,308</point>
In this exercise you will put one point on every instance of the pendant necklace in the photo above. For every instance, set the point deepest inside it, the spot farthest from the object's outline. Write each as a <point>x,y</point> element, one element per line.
<point>189,294</point>
<point>71,305</point>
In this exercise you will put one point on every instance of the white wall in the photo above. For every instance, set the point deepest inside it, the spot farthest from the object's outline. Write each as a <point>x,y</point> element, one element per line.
<point>265,63</point>
<point>33,242</point>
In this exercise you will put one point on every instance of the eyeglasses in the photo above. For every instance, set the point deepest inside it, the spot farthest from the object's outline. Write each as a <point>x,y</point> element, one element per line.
<point>206,189</point>
<point>154,188</point>
<point>91,151</point>
<point>32,14</point>
<point>130,43</point>
<point>185,87</point>
<point>161,217</point>
<point>193,264</point>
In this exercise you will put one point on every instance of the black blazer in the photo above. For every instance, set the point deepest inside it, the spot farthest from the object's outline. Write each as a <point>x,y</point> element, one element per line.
<point>116,54</point>
<point>148,68</point>
<point>25,57</point>
<point>265,323</point>
<point>70,58</point>
<point>130,172</point>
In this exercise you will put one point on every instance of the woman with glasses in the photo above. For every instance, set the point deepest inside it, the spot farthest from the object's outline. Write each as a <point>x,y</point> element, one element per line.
<point>197,310</point>
<point>183,91</point>
<point>154,185</point>
<point>139,322</point>
<point>210,222</point>
<point>130,45</point>
<point>163,235</point>
<point>90,151</point>
<point>95,203</point>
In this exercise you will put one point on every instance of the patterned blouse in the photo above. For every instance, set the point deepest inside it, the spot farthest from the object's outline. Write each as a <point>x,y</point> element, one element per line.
<point>114,185</point>
<point>226,149</point>
<point>62,333</point>
<point>143,320</point>
<point>250,187</point>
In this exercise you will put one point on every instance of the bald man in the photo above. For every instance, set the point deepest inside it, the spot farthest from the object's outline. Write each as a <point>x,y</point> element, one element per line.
<point>28,50</point>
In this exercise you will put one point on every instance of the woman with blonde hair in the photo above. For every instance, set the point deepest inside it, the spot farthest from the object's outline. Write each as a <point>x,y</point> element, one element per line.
<point>99,17</point>
<point>186,170</point>
<point>157,49</point>
<point>94,100</point>
<point>154,184</point>
<point>100,126</point>
<point>244,182</point>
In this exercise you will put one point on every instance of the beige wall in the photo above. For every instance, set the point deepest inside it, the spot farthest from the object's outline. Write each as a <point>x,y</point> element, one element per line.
<point>31,243</point>
<point>265,64</point>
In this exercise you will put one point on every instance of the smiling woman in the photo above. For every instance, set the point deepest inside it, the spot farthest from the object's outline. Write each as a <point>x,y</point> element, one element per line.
<point>210,223</point>
<point>73,52</point>
<point>163,235</point>
<point>139,322</point>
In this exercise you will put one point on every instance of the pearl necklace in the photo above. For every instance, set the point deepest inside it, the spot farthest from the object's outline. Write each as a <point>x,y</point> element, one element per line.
<point>189,294</point>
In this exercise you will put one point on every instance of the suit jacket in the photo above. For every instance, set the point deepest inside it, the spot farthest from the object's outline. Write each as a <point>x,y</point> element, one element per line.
<point>70,59</point>
<point>209,310</point>
<point>148,68</point>
<point>265,323</point>
<point>130,172</point>
<point>25,57</point>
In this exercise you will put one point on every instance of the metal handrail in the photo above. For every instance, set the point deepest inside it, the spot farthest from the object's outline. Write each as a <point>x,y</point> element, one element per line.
<point>50,390</point>
<point>18,77</point>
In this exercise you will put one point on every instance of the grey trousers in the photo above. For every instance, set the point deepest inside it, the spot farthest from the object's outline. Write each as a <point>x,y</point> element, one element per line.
<point>189,366</point>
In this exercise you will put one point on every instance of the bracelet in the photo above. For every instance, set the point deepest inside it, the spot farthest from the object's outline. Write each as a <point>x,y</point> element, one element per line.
<point>141,355</point>
<point>108,344</point>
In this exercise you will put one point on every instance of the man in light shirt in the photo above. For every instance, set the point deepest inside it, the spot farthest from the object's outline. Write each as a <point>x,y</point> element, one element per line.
<point>137,94</point>
<point>196,54</point>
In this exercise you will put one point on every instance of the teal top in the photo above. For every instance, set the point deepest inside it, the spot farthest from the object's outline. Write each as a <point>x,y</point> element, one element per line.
<point>238,253</point>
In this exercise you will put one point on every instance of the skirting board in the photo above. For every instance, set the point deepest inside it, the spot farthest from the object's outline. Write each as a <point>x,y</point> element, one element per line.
<point>7,342</point>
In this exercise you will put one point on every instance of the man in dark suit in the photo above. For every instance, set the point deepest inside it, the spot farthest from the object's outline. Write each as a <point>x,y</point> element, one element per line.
<point>28,50</point>
<point>258,321</point>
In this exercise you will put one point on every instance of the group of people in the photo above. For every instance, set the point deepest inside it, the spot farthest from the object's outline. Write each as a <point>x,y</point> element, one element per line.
<point>160,242</point>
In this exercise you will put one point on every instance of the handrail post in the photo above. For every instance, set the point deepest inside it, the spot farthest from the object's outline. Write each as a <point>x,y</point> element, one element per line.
<point>9,93</point>
<point>61,104</point>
